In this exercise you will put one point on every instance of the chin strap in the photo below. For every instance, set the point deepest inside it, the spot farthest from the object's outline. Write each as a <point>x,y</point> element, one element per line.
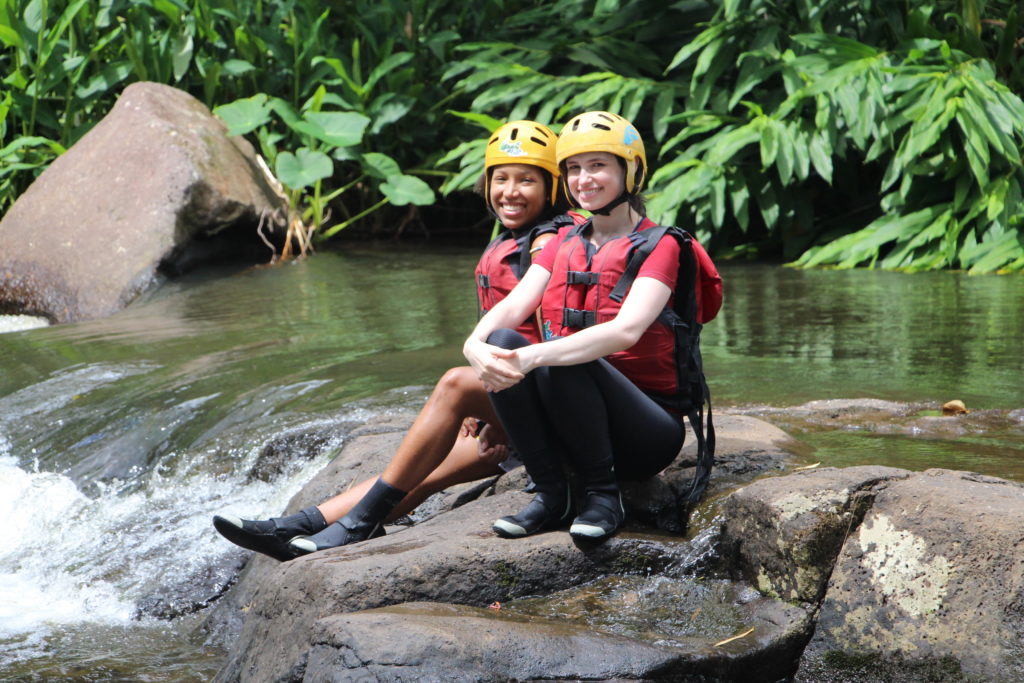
<point>607,208</point>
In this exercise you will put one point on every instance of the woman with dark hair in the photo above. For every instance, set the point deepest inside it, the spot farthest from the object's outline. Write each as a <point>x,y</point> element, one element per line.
<point>456,437</point>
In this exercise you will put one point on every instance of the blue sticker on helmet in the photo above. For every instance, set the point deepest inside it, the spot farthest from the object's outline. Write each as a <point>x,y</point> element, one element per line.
<point>629,136</point>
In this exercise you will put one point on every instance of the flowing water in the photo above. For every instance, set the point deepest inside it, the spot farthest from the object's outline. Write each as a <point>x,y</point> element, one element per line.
<point>120,437</point>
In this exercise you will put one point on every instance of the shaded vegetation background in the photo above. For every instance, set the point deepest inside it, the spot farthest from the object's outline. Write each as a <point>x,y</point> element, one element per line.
<point>880,133</point>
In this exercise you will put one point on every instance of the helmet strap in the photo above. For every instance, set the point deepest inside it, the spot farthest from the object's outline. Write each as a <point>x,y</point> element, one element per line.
<point>606,210</point>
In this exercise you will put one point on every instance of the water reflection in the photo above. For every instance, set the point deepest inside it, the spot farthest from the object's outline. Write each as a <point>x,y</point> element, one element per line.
<point>786,336</point>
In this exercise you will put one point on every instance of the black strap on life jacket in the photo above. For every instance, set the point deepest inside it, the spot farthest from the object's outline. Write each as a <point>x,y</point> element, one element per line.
<point>692,385</point>
<point>553,225</point>
<point>520,265</point>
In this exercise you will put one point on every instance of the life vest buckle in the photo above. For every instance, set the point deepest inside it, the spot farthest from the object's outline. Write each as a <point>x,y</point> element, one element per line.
<point>581,277</point>
<point>574,317</point>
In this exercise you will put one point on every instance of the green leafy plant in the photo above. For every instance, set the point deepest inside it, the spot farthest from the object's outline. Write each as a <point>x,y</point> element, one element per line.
<point>325,136</point>
<point>564,58</point>
<point>928,128</point>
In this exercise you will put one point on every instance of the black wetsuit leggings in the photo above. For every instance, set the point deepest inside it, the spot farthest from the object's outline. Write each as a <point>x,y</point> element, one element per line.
<point>587,416</point>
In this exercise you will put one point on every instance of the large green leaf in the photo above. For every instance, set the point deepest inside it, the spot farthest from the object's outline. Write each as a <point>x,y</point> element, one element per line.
<point>380,165</point>
<point>406,189</point>
<point>341,128</point>
<point>303,168</point>
<point>244,115</point>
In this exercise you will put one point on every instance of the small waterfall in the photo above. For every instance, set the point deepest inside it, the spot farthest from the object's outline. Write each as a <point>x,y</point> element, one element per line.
<point>13,323</point>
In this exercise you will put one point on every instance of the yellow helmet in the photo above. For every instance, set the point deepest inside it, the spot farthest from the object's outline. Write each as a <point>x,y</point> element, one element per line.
<point>522,142</point>
<point>602,131</point>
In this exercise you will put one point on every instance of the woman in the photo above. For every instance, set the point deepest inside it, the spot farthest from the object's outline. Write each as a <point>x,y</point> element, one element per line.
<point>444,446</point>
<point>597,398</point>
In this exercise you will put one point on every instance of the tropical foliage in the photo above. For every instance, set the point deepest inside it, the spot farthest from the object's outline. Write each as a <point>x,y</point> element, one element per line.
<point>827,133</point>
<point>836,133</point>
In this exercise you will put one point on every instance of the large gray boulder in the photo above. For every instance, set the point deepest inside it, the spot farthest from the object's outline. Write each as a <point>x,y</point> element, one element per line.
<point>277,617</point>
<point>783,534</point>
<point>156,175</point>
<point>916,575</point>
<point>859,574</point>
<point>928,586</point>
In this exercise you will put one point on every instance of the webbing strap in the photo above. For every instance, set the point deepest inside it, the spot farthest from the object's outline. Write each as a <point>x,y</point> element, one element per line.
<point>640,254</point>
<point>525,257</point>
<point>705,451</point>
<point>483,280</point>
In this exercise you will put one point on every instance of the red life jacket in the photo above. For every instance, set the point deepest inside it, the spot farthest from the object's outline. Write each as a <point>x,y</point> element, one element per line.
<point>504,262</point>
<point>588,286</point>
<point>582,292</point>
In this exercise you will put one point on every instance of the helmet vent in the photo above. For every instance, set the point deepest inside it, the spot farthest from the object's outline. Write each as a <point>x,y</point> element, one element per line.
<point>602,126</point>
<point>514,134</point>
<point>542,143</point>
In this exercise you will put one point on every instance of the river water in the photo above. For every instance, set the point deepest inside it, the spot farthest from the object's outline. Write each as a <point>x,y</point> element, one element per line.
<point>120,437</point>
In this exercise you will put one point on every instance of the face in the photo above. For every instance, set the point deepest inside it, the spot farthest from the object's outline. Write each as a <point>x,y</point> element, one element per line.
<point>594,178</point>
<point>517,194</point>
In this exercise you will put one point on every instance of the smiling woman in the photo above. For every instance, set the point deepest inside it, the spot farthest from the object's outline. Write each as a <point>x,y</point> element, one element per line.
<point>605,393</point>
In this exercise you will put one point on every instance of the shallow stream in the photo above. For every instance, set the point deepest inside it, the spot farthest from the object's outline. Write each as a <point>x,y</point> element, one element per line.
<point>120,437</point>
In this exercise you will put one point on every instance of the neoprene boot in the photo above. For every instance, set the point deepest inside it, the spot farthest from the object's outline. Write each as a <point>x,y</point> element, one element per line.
<point>550,507</point>
<point>365,520</point>
<point>270,536</point>
<point>602,514</point>
<point>602,511</point>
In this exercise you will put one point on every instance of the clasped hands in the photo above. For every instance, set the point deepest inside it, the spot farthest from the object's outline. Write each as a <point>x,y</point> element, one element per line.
<point>496,367</point>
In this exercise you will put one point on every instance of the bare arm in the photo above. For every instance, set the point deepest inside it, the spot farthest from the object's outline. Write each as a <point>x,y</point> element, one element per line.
<point>488,361</point>
<point>646,299</point>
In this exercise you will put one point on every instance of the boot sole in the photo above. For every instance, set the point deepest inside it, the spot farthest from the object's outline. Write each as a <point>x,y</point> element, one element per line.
<point>230,527</point>
<point>590,532</point>
<point>509,530</point>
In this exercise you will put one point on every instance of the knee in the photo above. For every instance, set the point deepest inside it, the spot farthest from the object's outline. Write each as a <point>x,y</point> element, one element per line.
<point>507,339</point>
<point>458,380</point>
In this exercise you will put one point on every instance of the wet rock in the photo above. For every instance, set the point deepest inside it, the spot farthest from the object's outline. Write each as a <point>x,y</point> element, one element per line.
<point>156,176</point>
<point>452,558</point>
<point>450,555</point>
<point>290,449</point>
<point>460,643</point>
<point>929,581</point>
<point>172,597</point>
<point>783,534</point>
<point>918,420</point>
<point>746,447</point>
<point>911,576</point>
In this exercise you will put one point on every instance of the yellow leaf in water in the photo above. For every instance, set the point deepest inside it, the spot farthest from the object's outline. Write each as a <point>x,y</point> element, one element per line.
<point>729,640</point>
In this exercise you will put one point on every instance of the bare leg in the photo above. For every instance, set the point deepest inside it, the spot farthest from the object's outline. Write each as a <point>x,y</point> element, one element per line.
<point>432,455</point>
